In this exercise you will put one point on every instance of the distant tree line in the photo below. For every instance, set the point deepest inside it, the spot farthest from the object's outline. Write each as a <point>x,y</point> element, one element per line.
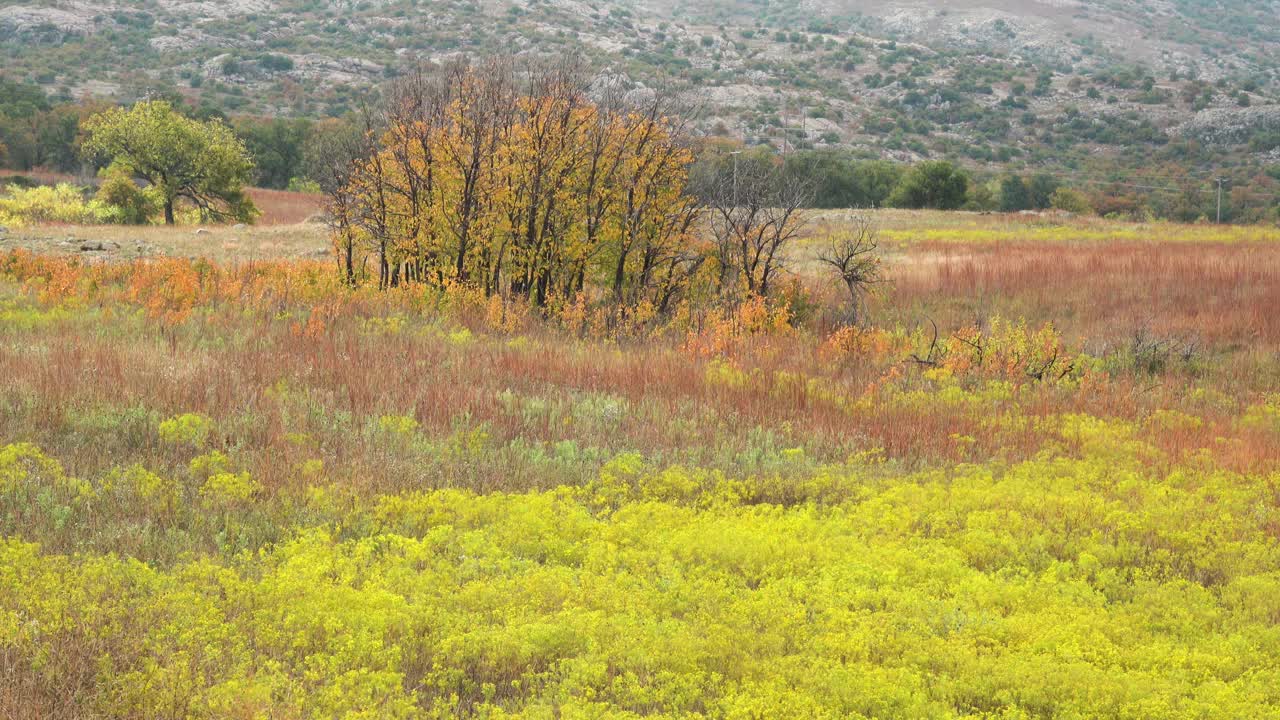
<point>287,153</point>
<point>840,179</point>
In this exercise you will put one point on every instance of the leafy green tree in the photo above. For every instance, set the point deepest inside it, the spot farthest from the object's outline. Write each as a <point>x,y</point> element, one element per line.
<point>276,146</point>
<point>1069,200</point>
<point>1014,196</point>
<point>935,184</point>
<point>1040,190</point>
<point>18,100</point>
<point>203,163</point>
<point>831,172</point>
<point>35,132</point>
<point>877,179</point>
<point>983,196</point>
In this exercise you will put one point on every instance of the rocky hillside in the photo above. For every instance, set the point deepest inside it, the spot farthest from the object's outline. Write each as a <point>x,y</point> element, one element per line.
<point>989,80</point>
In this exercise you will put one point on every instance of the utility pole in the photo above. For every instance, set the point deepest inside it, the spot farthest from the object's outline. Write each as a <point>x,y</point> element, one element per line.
<point>1220,181</point>
<point>784,125</point>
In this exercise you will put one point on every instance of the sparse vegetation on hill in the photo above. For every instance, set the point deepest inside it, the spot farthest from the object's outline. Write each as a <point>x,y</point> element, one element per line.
<point>1018,86</point>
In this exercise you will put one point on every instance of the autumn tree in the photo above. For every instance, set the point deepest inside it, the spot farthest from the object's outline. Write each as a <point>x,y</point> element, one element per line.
<point>202,163</point>
<point>524,182</point>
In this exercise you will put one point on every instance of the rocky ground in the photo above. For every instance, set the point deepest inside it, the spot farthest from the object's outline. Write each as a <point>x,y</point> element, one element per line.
<point>111,243</point>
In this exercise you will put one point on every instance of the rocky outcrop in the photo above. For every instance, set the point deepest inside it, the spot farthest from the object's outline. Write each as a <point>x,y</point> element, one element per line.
<point>23,22</point>
<point>1229,125</point>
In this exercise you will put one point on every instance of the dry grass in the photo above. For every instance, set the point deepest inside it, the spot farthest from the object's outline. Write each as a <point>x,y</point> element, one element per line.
<point>914,226</point>
<point>281,207</point>
<point>247,331</point>
<point>41,175</point>
<point>222,243</point>
<point>1221,294</point>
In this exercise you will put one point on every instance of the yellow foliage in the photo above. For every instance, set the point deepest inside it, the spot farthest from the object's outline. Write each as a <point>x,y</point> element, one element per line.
<point>186,429</point>
<point>227,488</point>
<point>1059,587</point>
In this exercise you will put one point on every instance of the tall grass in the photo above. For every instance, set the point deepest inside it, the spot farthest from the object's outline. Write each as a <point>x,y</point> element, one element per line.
<point>246,490</point>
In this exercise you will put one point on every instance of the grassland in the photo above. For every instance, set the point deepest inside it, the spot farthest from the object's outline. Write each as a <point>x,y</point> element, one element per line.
<point>242,490</point>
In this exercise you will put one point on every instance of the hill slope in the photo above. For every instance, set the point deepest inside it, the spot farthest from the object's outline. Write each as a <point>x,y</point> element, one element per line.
<point>991,80</point>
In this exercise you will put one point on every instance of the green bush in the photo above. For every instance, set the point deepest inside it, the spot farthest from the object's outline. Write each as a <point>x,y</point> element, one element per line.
<point>1070,200</point>
<point>63,203</point>
<point>136,205</point>
<point>934,184</point>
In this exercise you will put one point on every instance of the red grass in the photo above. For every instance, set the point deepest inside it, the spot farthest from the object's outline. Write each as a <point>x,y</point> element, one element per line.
<point>222,345</point>
<point>1220,294</point>
<point>281,207</point>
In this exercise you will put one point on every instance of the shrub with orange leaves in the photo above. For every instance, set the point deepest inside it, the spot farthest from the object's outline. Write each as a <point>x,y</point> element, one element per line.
<point>1004,351</point>
<point>723,330</point>
<point>318,319</point>
<point>168,289</point>
<point>850,342</point>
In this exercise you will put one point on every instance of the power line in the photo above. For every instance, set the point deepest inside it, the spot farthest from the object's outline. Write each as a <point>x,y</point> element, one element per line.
<point>1190,174</point>
<point>1115,183</point>
<point>1107,182</point>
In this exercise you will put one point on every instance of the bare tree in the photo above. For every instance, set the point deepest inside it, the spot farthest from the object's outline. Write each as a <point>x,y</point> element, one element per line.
<point>335,151</point>
<point>852,253</point>
<point>756,211</point>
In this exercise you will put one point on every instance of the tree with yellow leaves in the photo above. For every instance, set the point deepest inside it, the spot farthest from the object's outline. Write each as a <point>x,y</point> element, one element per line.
<point>523,183</point>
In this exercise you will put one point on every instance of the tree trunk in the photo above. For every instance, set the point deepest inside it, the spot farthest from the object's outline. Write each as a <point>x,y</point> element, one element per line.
<point>620,273</point>
<point>168,212</point>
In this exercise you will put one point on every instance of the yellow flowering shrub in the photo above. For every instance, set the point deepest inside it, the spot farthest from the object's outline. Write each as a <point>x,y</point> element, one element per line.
<point>228,489</point>
<point>186,429</point>
<point>1055,587</point>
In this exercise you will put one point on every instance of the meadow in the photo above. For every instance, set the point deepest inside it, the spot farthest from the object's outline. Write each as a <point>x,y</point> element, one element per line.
<point>1043,482</point>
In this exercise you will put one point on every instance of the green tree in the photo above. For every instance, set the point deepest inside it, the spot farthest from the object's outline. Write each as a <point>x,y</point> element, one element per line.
<point>1069,200</point>
<point>276,146</point>
<point>203,163</point>
<point>830,172</point>
<point>983,196</point>
<point>1014,196</point>
<point>876,180</point>
<point>935,184</point>
<point>118,190</point>
<point>1040,190</point>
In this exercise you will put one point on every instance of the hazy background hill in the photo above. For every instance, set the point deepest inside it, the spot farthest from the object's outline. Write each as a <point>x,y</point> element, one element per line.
<point>994,81</point>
